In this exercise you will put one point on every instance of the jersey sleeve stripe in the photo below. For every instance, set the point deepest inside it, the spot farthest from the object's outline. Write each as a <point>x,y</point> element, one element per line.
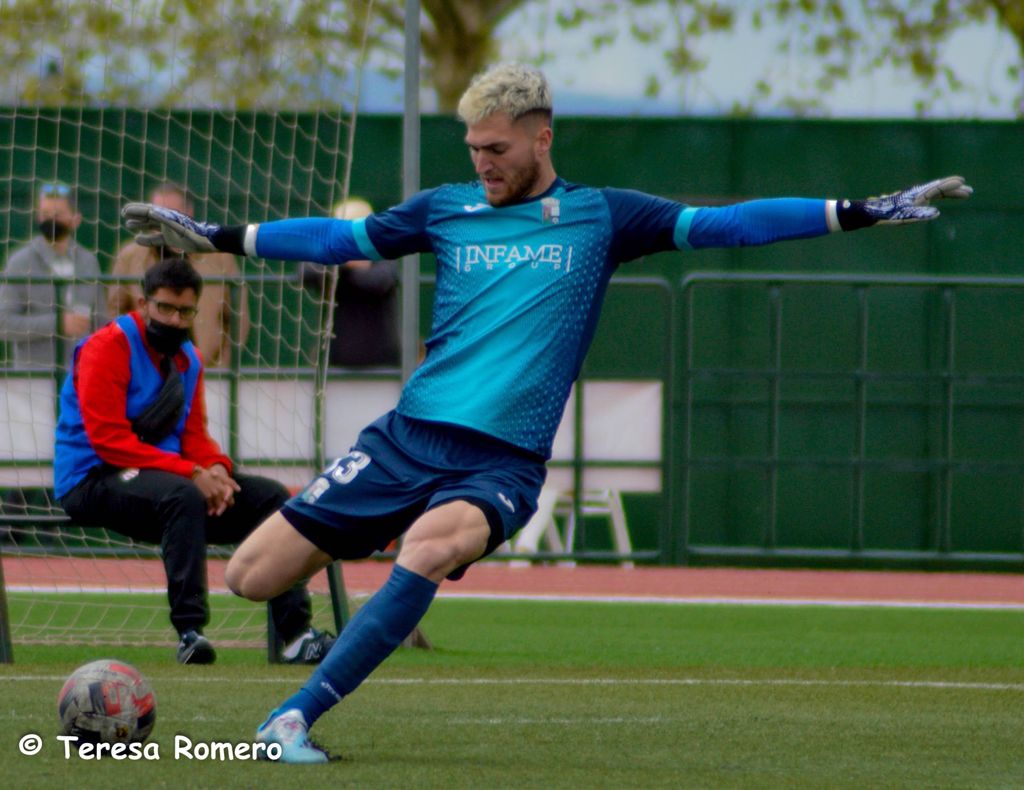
<point>681,235</point>
<point>362,239</point>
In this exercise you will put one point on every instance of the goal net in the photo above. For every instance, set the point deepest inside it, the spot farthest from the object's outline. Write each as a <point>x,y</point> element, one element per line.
<point>251,108</point>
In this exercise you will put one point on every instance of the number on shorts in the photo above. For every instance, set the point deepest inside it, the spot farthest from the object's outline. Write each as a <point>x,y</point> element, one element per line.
<point>344,469</point>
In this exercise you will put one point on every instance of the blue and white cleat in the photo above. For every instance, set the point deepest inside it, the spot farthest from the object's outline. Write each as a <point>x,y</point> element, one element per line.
<point>288,730</point>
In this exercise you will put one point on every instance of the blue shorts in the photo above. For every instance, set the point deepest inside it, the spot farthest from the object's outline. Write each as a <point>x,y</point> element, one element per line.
<point>398,469</point>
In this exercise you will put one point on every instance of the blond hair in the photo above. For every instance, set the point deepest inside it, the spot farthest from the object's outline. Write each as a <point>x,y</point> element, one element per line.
<point>512,88</point>
<point>353,208</point>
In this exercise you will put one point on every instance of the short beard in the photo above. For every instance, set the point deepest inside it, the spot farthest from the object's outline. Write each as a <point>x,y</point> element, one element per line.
<point>525,182</point>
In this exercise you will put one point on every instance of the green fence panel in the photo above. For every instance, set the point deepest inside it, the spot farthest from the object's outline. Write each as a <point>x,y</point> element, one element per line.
<point>837,435</point>
<point>906,458</point>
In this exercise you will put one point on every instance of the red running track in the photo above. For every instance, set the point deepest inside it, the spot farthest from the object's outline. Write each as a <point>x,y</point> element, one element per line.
<point>596,582</point>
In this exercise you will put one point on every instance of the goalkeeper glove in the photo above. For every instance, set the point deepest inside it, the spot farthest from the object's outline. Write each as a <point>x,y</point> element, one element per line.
<point>898,208</point>
<point>155,226</point>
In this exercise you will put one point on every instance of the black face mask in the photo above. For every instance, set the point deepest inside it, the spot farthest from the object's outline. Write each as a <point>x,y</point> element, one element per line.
<point>53,230</point>
<point>164,338</point>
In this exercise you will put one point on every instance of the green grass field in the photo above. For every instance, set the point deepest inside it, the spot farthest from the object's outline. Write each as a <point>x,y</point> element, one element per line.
<point>584,695</point>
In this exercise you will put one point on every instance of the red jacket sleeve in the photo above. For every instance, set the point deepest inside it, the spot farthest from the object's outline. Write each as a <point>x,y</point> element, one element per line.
<point>196,443</point>
<point>102,375</point>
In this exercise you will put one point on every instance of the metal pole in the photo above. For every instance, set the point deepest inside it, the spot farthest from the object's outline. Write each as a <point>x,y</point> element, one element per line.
<point>6,647</point>
<point>770,538</point>
<point>860,419</point>
<point>411,185</point>
<point>944,539</point>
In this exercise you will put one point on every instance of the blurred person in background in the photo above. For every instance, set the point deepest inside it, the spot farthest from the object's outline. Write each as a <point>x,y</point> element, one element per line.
<point>365,326</point>
<point>35,317</point>
<point>217,305</point>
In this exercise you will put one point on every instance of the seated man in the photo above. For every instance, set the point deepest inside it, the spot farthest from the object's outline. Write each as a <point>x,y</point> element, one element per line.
<point>133,454</point>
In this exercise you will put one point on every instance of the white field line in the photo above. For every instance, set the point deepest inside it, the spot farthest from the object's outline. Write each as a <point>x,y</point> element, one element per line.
<point>66,589</point>
<point>645,599</point>
<point>523,721</point>
<point>729,601</point>
<point>954,685</point>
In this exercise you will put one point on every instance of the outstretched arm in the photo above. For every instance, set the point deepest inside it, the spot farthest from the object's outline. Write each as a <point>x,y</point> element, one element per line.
<point>779,219</point>
<point>401,230</point>
<point>645,224</point>
<point>313,239</point>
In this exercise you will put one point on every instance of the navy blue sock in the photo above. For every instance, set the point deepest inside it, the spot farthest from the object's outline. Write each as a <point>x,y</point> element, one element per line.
<point>377,629</point>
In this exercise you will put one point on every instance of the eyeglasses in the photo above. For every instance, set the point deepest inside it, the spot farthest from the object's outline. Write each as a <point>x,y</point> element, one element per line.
<point>166,309</point>
<point>55,189</point>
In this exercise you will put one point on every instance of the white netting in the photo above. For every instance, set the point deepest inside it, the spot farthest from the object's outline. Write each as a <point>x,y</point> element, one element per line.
<point>251,107</point>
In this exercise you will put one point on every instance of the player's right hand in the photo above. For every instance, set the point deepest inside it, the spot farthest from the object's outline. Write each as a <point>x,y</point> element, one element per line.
<point>155,226</point>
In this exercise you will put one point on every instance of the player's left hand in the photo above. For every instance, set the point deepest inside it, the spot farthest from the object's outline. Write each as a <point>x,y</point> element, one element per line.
<point>156,226</point>
<point>911,204</point>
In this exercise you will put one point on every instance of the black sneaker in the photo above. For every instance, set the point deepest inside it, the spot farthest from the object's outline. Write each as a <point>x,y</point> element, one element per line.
<point>308,648</point>
<point>194,648</point>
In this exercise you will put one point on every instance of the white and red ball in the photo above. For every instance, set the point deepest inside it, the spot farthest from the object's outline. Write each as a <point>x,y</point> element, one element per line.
<point>107,701</point>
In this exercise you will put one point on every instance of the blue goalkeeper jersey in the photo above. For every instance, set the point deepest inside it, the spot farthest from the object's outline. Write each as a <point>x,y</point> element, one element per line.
<point>520,287</point>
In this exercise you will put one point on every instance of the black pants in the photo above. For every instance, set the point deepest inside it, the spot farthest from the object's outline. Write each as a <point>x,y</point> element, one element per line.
<point>160,507</point>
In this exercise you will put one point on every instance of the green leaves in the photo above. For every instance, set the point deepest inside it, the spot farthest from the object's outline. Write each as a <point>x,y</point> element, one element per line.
<point>292,54</point>
<point>846,38</point>
<point>285,54</point>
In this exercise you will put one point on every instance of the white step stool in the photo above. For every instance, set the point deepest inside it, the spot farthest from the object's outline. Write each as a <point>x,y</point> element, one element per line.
<point>605,502</point>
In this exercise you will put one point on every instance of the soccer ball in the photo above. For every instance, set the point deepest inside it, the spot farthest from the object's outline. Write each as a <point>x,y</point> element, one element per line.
<point>108,701</point>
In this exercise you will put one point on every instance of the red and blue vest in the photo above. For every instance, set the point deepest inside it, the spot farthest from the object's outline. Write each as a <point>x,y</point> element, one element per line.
<point>74,455</point>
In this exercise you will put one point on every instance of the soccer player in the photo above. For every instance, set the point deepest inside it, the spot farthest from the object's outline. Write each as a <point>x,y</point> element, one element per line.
<point>523,261</point>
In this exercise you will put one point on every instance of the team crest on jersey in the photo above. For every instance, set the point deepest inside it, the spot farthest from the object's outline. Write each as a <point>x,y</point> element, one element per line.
<point>550,210</point>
